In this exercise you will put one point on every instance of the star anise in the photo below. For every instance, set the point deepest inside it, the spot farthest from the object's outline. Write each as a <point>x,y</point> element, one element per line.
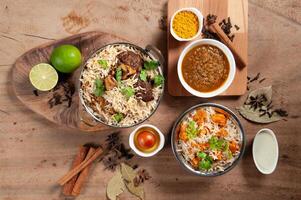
<point>113,140</point>
<point>142,175</point>
<point>116,152</point>
<point>110,162</point>
<point>257,101</point>
<point>265,112</point>
<point>123,152</point>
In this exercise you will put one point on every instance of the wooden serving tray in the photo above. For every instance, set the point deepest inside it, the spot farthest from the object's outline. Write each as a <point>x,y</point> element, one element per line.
<point>237,10</point>
<point>74,116</point>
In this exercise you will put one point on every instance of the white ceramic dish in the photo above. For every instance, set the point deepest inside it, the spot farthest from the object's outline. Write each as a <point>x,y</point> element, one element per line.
<point>229,56</point>
<point>143,154</point>
<point>265,151</point>
<point>200,19</point>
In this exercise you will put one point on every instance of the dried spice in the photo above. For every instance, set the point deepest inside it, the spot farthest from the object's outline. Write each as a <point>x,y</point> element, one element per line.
<point>255,78</point>
<point>163,23</point>
<point>258,107</point>
<point>261,80</point>
<point>210,19</point>
<point>124,180</point>
<point>256,102</point>
<point>185,24</point>
<point>117,152</point>
<point>128,175</point>
<point>113,140</point>
<point>142,175</point>
<point>115,186</point>
<point>55,100</point>
<point>280,112</point>
<point>225,25</point>
<point>35,92</point>
<point>110,162</point>
<point>236,27</point>
<point>61,93</point>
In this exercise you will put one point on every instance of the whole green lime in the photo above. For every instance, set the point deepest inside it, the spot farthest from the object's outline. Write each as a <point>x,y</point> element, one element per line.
<point>66,58</point>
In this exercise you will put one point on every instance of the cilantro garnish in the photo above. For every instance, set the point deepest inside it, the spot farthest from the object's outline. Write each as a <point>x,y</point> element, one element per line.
<point>118,75</point>
<point>149,65</point>
<point>206,161</point>
<point>205,164</point>
<point>158,80</point>
<point>217,144</point>
<point>103,63</point>
<point>99,87</point>
<point>191,130</point>
<point>118,117</point>
<point>128,92</point>
<point>202,155</point>
<point>143,75</point>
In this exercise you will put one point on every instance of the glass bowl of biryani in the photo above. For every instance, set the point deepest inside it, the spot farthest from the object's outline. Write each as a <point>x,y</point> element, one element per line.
<point>208,140</point>
<point>121,84</point>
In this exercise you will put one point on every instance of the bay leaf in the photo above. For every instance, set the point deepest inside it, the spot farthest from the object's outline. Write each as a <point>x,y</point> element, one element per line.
<point>266,91</point>
<point>254,115</point>
<point>127,172</point>
<point>115,186</point>
<point>128,175</point>
<point>138,191</point>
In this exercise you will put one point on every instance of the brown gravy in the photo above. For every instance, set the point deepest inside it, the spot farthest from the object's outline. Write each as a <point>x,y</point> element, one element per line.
<point>205,68</point>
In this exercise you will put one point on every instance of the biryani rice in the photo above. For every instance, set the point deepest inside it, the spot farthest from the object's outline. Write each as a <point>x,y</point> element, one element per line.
<point>191,147</point>
<point>133,108</point>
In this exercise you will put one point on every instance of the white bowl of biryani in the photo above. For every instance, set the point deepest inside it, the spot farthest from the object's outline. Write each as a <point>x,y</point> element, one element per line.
<point>208,140</point>
<point>121,85</point>
<point>206,68</point>
<point>186,24</point>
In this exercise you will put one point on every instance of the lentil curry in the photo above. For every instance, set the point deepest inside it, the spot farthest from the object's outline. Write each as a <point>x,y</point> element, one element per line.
<point>205,68</point>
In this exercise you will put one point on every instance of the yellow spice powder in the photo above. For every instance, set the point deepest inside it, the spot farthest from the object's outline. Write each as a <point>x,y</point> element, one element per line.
<point>185,24</point>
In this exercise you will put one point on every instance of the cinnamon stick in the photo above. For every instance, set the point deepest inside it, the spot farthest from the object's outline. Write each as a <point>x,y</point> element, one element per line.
<point>68,187</point>
<point>80,167</point>
<point>238,57</point>
<point>82,175</point>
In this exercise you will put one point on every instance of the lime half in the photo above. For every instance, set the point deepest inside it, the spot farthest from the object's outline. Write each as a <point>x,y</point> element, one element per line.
<point>43,77</point>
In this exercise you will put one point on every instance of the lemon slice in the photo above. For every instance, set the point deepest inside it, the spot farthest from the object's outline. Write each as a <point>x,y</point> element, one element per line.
<point>43,77</point>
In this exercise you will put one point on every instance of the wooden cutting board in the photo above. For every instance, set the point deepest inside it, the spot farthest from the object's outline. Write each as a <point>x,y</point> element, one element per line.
<point>237,10</point>
<point>74,116</point>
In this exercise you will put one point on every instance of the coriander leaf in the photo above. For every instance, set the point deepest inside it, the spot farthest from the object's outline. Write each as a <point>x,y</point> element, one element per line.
<point>103,63</point>
<point>202,155</point>
<point>118,74</point>
<point>191,130</point>
<point>99,88</point>
<point>205,164</point>
<point>227,150</point>
<point>128,92</point>
<point>158,80</point>
<point>118,117</point>
<point>143,75</point>
<point>217,144</point>
<point>150,65</point>
<point>226,146</point>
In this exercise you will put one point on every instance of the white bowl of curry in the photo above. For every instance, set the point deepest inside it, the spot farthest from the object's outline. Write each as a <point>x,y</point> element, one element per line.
<point>206,68</point>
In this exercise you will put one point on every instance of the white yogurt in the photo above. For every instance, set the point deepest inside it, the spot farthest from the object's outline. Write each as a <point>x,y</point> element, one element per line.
<point>265,151</point>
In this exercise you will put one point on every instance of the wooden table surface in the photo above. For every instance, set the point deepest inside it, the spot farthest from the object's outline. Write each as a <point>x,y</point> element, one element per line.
<point>34,153</point>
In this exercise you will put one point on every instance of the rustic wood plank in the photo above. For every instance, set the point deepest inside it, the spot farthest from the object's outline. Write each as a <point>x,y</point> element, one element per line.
<point>61,114</point>
<point>238,11</point>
